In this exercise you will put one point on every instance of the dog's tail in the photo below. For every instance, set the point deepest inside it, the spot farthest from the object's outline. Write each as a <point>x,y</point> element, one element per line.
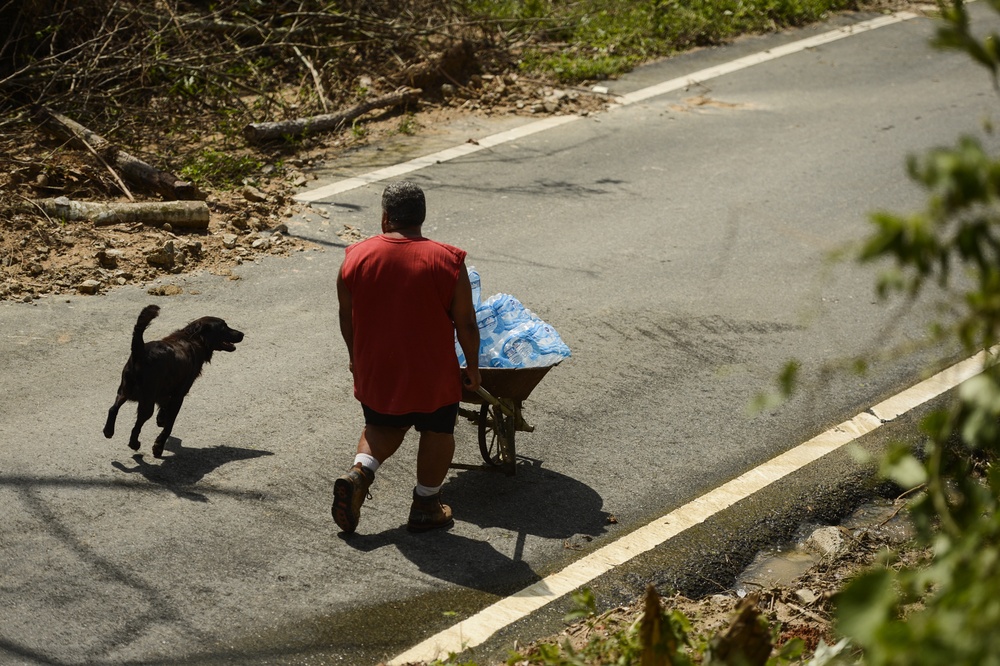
<point>147,315</point>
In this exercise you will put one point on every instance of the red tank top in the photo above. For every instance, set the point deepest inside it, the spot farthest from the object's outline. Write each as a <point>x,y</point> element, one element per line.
<point>404,337</point>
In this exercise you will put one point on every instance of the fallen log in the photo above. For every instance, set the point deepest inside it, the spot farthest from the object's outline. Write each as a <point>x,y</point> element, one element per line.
<point>190,215</point>
<point>133,169</point>
<point>327,122</point>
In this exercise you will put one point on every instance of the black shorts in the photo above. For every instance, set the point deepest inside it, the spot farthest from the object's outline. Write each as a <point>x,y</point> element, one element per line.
<point>440,421</point>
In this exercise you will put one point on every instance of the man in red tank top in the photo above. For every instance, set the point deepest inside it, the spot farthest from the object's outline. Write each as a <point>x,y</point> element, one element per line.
<point>403,300</point>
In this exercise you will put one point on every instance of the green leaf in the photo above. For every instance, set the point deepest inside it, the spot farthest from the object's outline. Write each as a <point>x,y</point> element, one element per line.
<point>865,604</point>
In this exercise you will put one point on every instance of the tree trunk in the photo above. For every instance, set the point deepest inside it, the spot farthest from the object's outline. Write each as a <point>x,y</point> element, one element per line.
<point>134,170</point>
<point>191,215</point>
<point>298,127</point>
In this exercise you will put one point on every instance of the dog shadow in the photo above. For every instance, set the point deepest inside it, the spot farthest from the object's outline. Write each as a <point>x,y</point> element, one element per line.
<point>187,466</point>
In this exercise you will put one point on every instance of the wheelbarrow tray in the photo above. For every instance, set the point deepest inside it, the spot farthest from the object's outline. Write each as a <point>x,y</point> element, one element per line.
<point>511,383</point>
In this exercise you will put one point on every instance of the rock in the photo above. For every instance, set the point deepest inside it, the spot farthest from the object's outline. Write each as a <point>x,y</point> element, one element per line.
<point>240,223</point>
<point>447,90</point>
<point>108,258</point>
<point>164,257</point>
<point>88,287</point>
<point>826,541</point>
<point>808,597</point>
<point>261,244</point>
<point>165,290</point>
<point>251,193</point>
<point>229,241</point>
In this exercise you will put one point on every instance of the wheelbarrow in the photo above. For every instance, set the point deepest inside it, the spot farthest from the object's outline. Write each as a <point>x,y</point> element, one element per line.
<point>499,418</point>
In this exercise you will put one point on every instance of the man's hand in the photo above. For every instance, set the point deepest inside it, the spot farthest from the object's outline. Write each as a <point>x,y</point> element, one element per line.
<point>471,379</point>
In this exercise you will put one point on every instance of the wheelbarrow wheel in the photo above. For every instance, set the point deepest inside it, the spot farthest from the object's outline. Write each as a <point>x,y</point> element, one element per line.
<point>496,438</point>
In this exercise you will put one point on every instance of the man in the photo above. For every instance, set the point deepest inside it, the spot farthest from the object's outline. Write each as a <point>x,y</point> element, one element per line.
<point>403,300</point>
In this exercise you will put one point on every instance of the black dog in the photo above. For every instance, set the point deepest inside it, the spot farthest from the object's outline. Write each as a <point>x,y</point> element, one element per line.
<point>162,372</point>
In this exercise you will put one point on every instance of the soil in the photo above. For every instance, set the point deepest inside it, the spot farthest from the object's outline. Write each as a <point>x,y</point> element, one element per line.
<point>41,256</point>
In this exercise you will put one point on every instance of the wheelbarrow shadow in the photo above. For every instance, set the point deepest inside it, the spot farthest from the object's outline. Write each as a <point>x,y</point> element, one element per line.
<point>537,502</point>
<point>185,467</point>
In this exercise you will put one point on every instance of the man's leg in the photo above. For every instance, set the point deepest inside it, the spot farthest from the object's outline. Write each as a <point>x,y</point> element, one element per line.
<point>380,442</point>
<point>350,490</point>
<point>433,458</point>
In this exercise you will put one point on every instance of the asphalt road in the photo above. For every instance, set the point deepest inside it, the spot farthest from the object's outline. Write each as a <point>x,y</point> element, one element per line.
<point>681,247</point>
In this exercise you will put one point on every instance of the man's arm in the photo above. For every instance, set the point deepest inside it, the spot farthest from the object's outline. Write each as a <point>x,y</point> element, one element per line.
<point>463,313</point>
<point>346,317</point>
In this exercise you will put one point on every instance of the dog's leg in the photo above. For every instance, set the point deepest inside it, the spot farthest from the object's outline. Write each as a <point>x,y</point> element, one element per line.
<point>109,426</point>
<point>161,413</point>
<point>165,418</point>
<point>142,415</point>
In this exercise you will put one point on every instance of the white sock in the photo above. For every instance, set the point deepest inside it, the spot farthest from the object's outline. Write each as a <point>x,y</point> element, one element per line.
<point>427,491</point>
<point>367,461</point>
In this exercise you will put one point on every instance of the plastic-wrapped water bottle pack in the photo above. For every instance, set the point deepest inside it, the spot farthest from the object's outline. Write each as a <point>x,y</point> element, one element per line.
<point>511,335</point>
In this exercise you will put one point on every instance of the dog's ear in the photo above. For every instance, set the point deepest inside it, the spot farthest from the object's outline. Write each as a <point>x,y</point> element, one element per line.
<point>195,328</point>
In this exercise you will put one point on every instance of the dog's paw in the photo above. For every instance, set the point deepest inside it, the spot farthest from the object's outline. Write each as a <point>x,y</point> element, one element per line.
<point>157,450</point>
<point>109,431</point>
<point>134,445</point>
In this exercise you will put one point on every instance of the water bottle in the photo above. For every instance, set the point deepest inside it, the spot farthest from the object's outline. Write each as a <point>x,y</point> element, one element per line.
<point>489,331</point>
<point>459,353</point>
<point>518,349</point>
<point>549,340</point>
<point>511,311</point>
<point>476,285</point>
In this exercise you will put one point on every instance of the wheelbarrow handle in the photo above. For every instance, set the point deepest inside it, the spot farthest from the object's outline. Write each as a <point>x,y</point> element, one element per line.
<point>488,397</point>
<point>506,409</point>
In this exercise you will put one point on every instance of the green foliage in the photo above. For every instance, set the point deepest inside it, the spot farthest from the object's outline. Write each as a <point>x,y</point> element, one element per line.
<point>408,125</point>
<point>657,637</point>
<point>219,168</point>
<point>606,39</point>
<point>358,131</point>
<point>946,611</point>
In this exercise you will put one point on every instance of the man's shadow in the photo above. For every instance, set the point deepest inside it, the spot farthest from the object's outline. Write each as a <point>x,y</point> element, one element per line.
<point>184,468</point>
<point>533,503</point>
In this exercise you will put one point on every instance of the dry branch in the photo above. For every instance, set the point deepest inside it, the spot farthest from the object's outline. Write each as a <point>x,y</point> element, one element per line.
<point>132,168</point>
<point>298,127</point>
<point>191,215</point>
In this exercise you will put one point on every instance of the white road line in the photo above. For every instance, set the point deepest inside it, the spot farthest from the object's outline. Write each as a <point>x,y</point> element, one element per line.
<point>764,56</point>
<point>445,155</point>
<point>479,627</point>
<point>396,170</point>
